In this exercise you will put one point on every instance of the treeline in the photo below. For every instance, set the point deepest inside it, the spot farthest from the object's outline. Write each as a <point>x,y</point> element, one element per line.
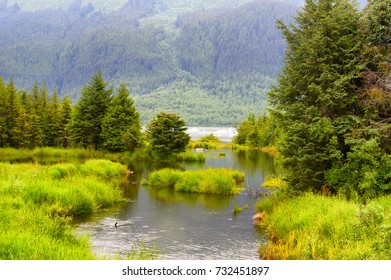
<point>331,106</point>
<point>257,132</point>
<point>233,54</point>
<point>99,120</point>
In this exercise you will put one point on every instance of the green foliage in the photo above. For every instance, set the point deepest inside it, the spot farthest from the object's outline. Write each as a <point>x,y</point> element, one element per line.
<point>167,135</point>
<point>209,138</point>
<point>368,170</point>
<point>208,181</point>
<point>318,227</point>
<point>121,124</point>
<point>317,92</point>
<point>262,132</point>
<point>86,123</point>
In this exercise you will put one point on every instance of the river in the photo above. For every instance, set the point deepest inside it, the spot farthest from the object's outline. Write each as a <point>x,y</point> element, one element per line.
<point>179,225</point>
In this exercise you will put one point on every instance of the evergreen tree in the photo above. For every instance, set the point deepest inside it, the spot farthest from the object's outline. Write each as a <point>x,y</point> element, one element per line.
<point>167,134</point>
<point>316,93</point>
<point>65,118</point>
<point>35,136</point>
<point>91,108</point>
<point>53,122</point>
<point>16,119</point>
<point>122,120</point>
<point>3,114</point>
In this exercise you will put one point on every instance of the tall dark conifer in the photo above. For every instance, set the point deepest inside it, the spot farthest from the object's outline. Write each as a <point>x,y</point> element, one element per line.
<point>65,118</point>
<point>122,123</point>
<point>3,114</point>
<point>91,108</point>
<point>316,96</point>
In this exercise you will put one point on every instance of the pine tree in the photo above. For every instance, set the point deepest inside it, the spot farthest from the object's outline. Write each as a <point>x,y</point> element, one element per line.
<point>316,99</point>
<point>91,108</point>
<point>121,124</point>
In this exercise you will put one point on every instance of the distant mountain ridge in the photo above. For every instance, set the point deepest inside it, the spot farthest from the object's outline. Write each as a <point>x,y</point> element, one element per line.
<point>211,61</point>
<point>113,5</point>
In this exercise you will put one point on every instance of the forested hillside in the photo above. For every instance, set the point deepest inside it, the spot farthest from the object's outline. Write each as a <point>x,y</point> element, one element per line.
<point>212,62</point>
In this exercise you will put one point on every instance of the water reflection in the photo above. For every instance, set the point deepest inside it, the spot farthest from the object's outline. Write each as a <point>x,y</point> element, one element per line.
<point>183,225</point>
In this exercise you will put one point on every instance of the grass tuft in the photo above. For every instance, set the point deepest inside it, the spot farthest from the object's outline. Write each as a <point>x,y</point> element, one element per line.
<point>208,181</point>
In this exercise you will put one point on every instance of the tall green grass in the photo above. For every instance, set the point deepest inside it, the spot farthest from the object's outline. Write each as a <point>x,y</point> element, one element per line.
<point>36,203</point>
<point>208,181</point>
<point>319,227</point>
<point>51,152</point>
<point>191,157</point>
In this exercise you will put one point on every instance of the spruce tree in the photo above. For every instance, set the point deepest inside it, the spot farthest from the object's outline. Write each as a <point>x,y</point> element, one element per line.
<point>53,122</point>
<point>65,118</point>
<point>315,100</point>
<point>3,114</point>
<point>91,108</point>
<point>121,124</point>
<point>16,119</point>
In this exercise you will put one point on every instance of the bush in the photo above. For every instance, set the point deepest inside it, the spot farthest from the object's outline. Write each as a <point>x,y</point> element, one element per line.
<point>368,170</point>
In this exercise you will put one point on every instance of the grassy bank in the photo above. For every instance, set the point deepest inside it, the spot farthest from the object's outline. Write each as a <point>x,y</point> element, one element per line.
<point>318,227</point>
<point>208,181</point>
<point>51,152</point>
<point>36,203</point>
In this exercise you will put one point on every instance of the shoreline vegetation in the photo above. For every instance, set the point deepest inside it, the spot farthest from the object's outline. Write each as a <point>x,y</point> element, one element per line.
<point>317,227</point>
<point>37,203</point>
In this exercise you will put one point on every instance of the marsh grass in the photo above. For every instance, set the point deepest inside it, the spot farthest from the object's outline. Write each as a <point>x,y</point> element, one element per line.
<point>37,202</point>
<point>208,181</point>
<point>191,157</point>
<point>51,152</point>
<point>273,182</point>
<point>319,227</point>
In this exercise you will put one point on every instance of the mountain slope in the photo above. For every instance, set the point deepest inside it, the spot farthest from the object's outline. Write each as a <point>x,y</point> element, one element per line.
<point>226,57</point>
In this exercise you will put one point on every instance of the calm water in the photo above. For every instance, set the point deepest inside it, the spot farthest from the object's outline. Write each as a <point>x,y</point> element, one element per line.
<point>179,225</point>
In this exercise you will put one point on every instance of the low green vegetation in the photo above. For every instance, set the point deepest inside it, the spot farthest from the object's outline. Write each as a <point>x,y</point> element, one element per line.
<point>318,227</point>
<point>273,182</point>
<point>191,157</point>
<point>208,181</point>
<point>207,142</point>
<point>36,203</point>
<point>238,209</point>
